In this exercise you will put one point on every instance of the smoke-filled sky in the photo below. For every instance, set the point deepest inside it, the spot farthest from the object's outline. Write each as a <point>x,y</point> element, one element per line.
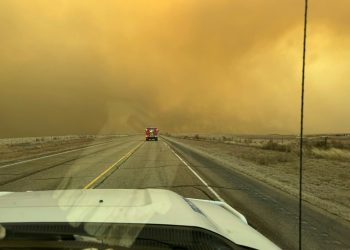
<point>233,66</point>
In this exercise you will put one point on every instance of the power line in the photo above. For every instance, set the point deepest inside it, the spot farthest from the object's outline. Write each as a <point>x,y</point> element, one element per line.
<point>302,127</point>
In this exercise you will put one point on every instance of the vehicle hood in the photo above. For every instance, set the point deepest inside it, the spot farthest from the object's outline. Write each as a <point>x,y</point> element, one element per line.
<point>141,206</point>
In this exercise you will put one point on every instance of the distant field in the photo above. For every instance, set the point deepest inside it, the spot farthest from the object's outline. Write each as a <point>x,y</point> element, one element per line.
<point>13,149</point>
<point>274,159</point>
<point>330,146</point>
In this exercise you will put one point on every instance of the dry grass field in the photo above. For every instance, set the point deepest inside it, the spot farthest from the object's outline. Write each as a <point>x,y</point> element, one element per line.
<point>14,149</point>
<point>275,161</point>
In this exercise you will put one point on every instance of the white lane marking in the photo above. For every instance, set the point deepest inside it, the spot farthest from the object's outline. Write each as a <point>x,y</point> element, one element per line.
<point>224,204</point>
<point>198,176</point>
<point>47,156</point>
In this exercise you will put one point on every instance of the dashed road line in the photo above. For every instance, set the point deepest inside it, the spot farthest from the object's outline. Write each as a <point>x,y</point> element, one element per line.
<point>197,175</point>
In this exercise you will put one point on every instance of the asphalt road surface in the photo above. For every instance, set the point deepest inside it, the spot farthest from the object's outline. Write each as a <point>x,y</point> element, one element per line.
<point>130,162</point>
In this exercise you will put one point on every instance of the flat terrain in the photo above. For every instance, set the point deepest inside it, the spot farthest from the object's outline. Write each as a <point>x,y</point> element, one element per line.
<point>15,149</point>
<point>134,163</point>
<point>326,175</point>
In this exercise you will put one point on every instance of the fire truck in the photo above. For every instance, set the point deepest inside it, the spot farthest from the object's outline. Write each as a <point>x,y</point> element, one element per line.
<point>151,134</point>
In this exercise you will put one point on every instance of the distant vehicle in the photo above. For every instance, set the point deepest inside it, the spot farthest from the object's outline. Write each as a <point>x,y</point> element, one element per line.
<point>151,134</point>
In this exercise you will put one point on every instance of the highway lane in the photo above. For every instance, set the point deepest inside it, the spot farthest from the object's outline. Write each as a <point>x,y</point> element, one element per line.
<point>73,169</point>
<point>130,162</point>
<point>154,165</point>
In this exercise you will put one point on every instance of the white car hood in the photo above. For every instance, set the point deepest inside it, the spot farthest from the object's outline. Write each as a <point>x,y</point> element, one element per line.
<point>141,206</point>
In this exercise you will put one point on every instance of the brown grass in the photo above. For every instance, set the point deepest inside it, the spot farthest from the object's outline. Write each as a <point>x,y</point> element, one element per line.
<point>331,153</point>
<point>21,151</point>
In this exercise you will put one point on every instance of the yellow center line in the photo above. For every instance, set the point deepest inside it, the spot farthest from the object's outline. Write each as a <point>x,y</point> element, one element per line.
<point>126,156</point>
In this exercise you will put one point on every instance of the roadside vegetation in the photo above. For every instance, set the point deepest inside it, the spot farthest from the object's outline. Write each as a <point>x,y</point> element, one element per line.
<point>326,147</point>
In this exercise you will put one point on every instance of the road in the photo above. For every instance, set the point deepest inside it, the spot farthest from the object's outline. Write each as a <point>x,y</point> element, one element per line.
<point>130,162</point>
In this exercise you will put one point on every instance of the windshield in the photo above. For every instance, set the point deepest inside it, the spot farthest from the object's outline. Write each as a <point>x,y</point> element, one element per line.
<point>219,82</point>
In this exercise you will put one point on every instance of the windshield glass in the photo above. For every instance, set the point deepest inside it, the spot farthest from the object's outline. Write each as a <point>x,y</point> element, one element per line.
<point>176,113</point>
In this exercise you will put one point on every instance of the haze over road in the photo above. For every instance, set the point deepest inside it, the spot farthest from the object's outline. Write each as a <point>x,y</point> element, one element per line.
<point>130,162</point>
<point>86,66</point>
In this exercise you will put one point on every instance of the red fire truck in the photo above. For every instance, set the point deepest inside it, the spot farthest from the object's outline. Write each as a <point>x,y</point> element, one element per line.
<point>151,134</point>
